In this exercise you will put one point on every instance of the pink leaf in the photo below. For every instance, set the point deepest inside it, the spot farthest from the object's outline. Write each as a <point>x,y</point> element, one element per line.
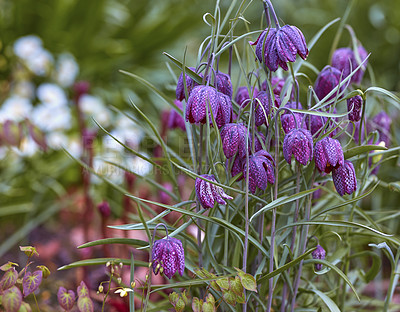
<point>66,299</point>
<point>85,304</point>
<point>82,290</point>
<point>9,278</point>
<point>12,299</point>
<point>31,282</point>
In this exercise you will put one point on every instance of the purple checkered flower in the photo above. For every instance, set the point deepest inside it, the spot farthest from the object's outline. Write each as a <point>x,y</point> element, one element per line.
<point>299,143</point>
<point>237,166</point>
<point>242,94</point>
<point>190,84</point>
<point>280,46</point>
<point>224,84</point>
<point>344,178</point>
<point>354,105</point>
<point>328,154</point>
<point>208,193</point>
<point>326,81</point>
<point>320,254</point>
<point>168,257</point>
<point>261,170</point>
<point>288,123</point>
<point>382,122</point>
<point>175,120</point>
<point>276,84</point>
<point>262,105</point>
<point>316,123</point>
<point>234,138</point>
<point>344,59</point>
<point>205,97</point>
<point>257,142</point>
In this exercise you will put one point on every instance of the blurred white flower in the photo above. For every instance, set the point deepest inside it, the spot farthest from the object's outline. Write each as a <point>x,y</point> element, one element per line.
<point>27,46</point>
<point>67,69</point>
<point>52,94</point>
<point>93,106</point>
<point>74,147</point>
<point>24,88</point>
<point>40,63</point>
<point>106,170</point>
<point>3,152</point>
<point>57,140</point>
<point>50,118</point>
<point>27,148</point>
<point>139,165</point>
<point>15,108</point>
<point>127,131</point>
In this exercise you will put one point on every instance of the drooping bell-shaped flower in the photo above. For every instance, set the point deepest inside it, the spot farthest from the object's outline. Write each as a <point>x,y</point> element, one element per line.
<point>354,105</point>
<point>168,257</point>
<point>234,138</point>
<point>326,81</point>
<point>288,122</point>
<point>280,46</point>
<point>317,123</point>
<point>223,84</point>
<point>203,98</point>
<point>328,154</point>
<point>344,178</point>
<point>190,84</point>
<point>262,106</point>
<point>175,120</point>
<point>242,94</point>
<point>320,254</point>
<point>258,138</point>
<point>345,60</point>
<point>261,170</point>
<point>382,122</point>
<point>237,166</point>
<point>208,193</point>
<point>299,143</point>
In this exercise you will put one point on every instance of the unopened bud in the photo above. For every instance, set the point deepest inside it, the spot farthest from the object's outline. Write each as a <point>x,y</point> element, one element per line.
<point>108,263</point>
<point>319,253</point>
<point>101,288</point>
<point>147,277</point>
<point>133,284</point>
<point>104,209</point>
<point>119,280</point>
<point>161,270</point>
<point>121,265</point>
<point>377,158</point>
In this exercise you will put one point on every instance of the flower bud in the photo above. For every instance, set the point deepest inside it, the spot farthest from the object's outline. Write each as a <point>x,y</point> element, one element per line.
<point>344,178</point>
<point>354,106</point>
<point>319,253</point>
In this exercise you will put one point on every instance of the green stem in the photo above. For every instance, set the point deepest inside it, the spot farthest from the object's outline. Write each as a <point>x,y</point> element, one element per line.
<point>108,291</point>
<point>37,305</point>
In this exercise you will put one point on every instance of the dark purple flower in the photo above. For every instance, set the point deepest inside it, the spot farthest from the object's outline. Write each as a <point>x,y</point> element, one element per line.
<point>208,193</point>
<point>280,46</point>
<point>328,154</point>
<point>320,254</point>
<point>382,122</point>
<point>237,166</point>
<point>175,120</point>
<point>234,138</point>
<point>205,97</point>
<point>344,178</point>
<point>345,60</point>
<point>259,137</point>
<point>288,123</point>
<point>168,256</point>
<point>276,84</point>
<point>354,105</point>
<point>362,53</point>
<point>262,105</point>
<point>104,209</point>
<point>326,81</point>
<point>224,84</point>
<point>190,84</point>
<point>242,94</point>
<point>261,170</point>
<point>299,143</point>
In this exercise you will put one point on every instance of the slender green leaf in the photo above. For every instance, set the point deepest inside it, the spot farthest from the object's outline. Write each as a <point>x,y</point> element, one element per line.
<point>328,301</point>
<point>362,149</point>
<point>100,261</point>
<point>106,241</point>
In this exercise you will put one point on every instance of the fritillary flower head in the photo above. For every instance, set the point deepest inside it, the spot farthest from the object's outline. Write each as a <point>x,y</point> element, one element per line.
<point>320,254</point>
<point>344,178</point>
<point>190,84</point>
<point>175,120</point>
<point>276,83</point>
<point>382,122</point>
<point>277,47</point>
<point>258,138</point>
<point>262,106</point>
<point>203,98</point>
<point>261,170</point>
<point>223,84</point>
<point>208,193</point>
<point>237,166</point>
<point>316,123</point>
<point>299,143</point>
<point>354,105</point>
<point>168,256</point>
<point>242,94</point>
<point>234,137</point>
<point>363,54</point>
<point>327,80</point>
<point>328,154</point>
